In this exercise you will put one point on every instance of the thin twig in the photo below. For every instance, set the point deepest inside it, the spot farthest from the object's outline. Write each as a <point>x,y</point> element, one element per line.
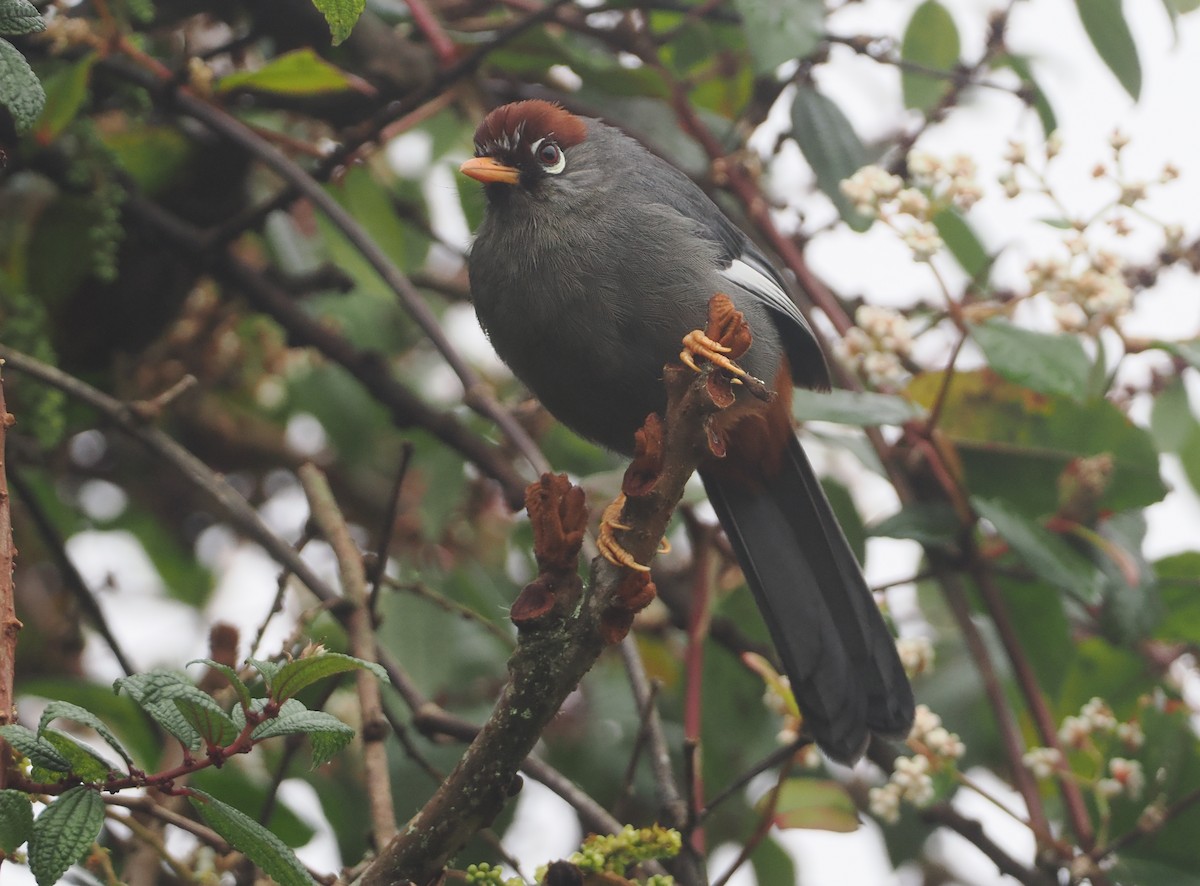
<point>379,567</point>
<point>10,626</point>
<point>328,517</point>
<point>216,487</point>
<point>71,575</point>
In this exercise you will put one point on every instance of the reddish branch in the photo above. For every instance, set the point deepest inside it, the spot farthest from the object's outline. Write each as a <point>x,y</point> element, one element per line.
<point>10,626</point>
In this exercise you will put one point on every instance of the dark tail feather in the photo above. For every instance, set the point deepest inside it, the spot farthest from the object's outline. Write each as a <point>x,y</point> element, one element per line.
<point>837,651</point>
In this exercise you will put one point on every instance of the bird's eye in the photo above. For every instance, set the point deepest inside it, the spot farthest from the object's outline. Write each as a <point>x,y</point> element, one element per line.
<point>549,155</point>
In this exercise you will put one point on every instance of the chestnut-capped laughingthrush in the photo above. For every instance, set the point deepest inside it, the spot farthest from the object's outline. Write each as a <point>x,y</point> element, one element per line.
<point>593,262</point>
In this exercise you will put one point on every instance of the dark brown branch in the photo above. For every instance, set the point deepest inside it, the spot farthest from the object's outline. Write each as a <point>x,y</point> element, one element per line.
<point>947,816</point>
<point>556,649</point>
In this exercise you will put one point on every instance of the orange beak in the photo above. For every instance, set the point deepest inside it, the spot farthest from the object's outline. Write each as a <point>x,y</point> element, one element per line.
<point>490,171</point>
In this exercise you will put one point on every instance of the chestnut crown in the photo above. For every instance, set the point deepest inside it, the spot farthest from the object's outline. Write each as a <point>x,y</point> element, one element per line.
<point>529,135</point>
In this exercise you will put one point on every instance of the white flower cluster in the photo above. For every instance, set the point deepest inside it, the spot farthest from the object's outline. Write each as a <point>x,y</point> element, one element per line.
<point>877,193</point>
<point>1042,762</point>
<point>916,655</point>
<point>912,778</point>
<point>1125,777</point>
<point>877,344</point>
<point>1096,718</point>
<point>1088,292</point>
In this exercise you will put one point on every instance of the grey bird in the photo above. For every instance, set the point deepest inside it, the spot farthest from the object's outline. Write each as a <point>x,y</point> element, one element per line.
<point>594,260</point>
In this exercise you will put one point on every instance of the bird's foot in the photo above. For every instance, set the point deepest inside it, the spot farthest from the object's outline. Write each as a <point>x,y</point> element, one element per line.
<point>610,548</point>
<point>697,344</point>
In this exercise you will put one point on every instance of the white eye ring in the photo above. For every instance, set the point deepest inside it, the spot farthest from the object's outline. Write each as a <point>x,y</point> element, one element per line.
<point>549,155</point>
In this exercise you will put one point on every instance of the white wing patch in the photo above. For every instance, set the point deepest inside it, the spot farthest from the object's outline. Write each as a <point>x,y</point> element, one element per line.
<point>746,273</point>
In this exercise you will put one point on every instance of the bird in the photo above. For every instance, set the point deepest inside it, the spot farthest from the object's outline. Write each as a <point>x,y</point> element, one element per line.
<point>594,259</point>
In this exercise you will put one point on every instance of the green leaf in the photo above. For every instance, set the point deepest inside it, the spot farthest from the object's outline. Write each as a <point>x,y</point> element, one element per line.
<point>858,408</point>
<point>243,692</point>
<point>1105,24</point>
<point>66,92</point>
<point>1039,617</point>
<point>1050,558</point>
<point>847,516</point>
<point>1051,364</point>
<point>963,243</point>
<point>831,147</point>
<point>20,90</point>
<point>299,72</point>
<point>259,845</point>
<point>931,41</point>
<point>295,675</point>
<point>813,804</point>
<point>1171,418</point>
<point>20,17</point>
<point>1041,104</point>
<point>39,751</point>
<point>327,733</point>
<point>1189,456</point>
<point>1014,444</point>
<point>780,30</point>
<point>74,712</point>
<point>85,762</point>
<point>926,523</point>
<point>205,716</point>
<point>341,16</point>
<point>235,786</point>
<point>16,820</point>
<point>1179,590</point>
<point>120,713</point>
<point>1132,607</point>
<point>64,832</point>
<point>156,692</point>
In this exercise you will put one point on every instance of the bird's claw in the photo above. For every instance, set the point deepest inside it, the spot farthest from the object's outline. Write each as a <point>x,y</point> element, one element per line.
<point>610,548</point>
<point>697,344</point>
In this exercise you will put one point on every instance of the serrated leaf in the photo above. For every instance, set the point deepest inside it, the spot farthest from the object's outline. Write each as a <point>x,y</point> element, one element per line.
<point>327,733</point>
<point>931,41</point>
<point>341,15</point>
<point>16,820</point>
<point>299,72</point>
<point>240,688</point>
<point>268,669</point>
<point>66,92</point>
<point>859,408</point>
<point>20,90</point>
<point>1047,555</point>
<point>39,751</point>
<point>20,17</point>
<point>207,718</point>
<point>813,804</point>
<point>64,832</point>
<point>156,692</point>
<point>831,147</point>
<point>963,243</point>
<point>296,675</point>
<point>1106,27</point>
<point>85,762</point>
<point>74,712</point>
<point>926,523</point>
<point>248,836</point>
<point>1051,364</point>
<point>780,30</point>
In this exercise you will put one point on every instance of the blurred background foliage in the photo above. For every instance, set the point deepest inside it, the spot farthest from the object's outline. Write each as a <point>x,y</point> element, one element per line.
<point>153,230</point>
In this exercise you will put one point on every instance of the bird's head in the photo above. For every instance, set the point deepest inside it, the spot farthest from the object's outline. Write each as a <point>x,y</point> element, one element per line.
<point>524,145</point>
